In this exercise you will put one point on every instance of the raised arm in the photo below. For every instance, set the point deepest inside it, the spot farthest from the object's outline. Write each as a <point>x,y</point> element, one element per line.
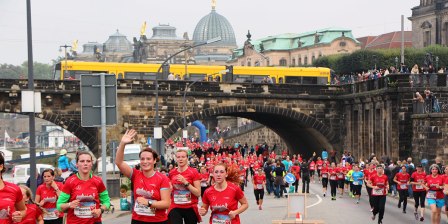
<point>127,138</point>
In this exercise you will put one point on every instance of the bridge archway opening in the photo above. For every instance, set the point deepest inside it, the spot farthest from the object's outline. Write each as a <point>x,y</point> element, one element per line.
<point>302,133</point>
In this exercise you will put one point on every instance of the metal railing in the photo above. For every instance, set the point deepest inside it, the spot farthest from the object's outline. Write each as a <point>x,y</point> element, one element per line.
<point>429,106</point>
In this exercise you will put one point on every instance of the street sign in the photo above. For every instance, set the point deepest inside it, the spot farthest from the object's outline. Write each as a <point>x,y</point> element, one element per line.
<point>290,178</point>
<point>91,100</point>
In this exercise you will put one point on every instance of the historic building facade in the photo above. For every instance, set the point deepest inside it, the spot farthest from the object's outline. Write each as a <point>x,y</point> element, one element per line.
<point>430,23</point>
<point>294,49</point>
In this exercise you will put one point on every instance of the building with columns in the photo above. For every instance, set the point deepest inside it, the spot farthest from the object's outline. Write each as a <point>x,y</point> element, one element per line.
<point>294,49</point>
<point>430,23</point>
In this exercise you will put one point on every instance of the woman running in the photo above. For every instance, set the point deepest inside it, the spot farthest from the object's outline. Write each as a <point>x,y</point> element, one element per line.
<point>418,191</point>
<point>333,180</point>
<point>84,196</point>
<point>12,206</point>
<point>324,174</point>
<point>341,179</point>
<point>319,164</point>
<point>259,182</point>
<point>380,186</point>
<point>151,189</point>
<point>223,197</point>
<point>402,180</point>
<point>33,212</point>
<point>295,170</point>
<point>434,196</point>
<point>357,177</point>
<point>445,191</point>
<point>205,179</point>
<point>47,195</point>
<point>186,183</point>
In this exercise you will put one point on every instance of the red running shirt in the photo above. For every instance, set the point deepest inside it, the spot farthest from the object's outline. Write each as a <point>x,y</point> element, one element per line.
<point>259,180</point>
<point>32,213</point>
<point>381,182</point>
<point>296,171</point>
<point>149,188</point>
<point>87,192</point>
<point>319,164</point>
<point>403,179</point>
<point>418,177</point>
<point>434,183</point>
<point>181,197</point>
<point>222,202</point>
<point>9,196</point>
<point>49,196</point>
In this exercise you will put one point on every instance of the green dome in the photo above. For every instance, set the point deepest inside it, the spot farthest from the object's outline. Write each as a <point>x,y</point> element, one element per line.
<point>214,25</point>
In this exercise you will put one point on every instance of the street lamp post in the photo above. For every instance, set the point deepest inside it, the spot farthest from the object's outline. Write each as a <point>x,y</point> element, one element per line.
<point>184,129</point>
<point>437,64</point>
<point>374,60</point>
<point>157,140</point>
<point>65,46</point>
<point>396,63</point>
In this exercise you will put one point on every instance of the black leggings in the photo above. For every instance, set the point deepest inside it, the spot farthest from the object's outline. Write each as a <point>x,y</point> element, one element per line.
<point>333,185</point>
<point>54,221</point>
<point>141,222</point>
<point>369,192</point>
<point>179,215</point>
<point>324,182</point>
<point>296,185</point>
<point>259,193</point>
<point>419,198</point>
<point>379,202</point>
<point>403,197</point>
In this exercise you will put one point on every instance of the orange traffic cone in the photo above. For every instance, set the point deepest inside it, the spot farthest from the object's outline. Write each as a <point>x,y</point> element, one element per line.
<point>298,216</point>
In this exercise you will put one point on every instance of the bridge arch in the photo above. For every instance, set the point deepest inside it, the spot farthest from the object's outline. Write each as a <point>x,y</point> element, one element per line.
<point>301,133</point>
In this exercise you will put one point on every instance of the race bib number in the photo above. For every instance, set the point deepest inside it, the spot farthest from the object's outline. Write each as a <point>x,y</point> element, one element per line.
<point>333,178</point>
<point>355,183</point>
<point>84,210</point>
<point>204,184</point>
<point>403,186</point>
<point>324,175</point>
<point>221,219</point>
<point>431,195</point>
<point>259,186</point>
<point>319,167</point>
<point>377,192</point>
<point>182,197</point>
<point>50,214</point>
<point>144,210</point>
<point>419,187</point>
<point>340,176</point>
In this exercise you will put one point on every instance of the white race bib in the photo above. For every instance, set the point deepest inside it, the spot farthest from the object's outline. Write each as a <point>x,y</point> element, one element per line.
<point>377,192</point>
<point>144,210</point>
<point>355,183</point>
<point>50,214</point>
<point>204,184</point>
<point>84,210</point>
<point>332,177</point>
<point>419,187</point>
<point>340,176</point>
<point>259,186</point>
<point>182,197</point>
<point>324,175</point>
<point>403,186</point>
<point>221,219</point>
<point>431,195</point>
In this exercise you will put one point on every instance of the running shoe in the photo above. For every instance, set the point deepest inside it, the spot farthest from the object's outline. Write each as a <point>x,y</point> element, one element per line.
<point>373,217</point>
<point>324,194</point>
<point>399,205</point>
<point>357,202</point>
<point>259,208</point>
<point>404,211</point>
<point>416,215</point>
<point>371,209</point>
<point>422,219</point>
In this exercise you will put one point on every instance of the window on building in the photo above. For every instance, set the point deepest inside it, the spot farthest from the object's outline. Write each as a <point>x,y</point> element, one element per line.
<point>249,63</point>
<point>242,63</point>
<point>268,62</point>
<point>313,58</point>
<point>305,61</point>
<point>299,62</point>
<point>427,38</point>
<point>257,63</point>
<point>342,44</point>
<point>283,62</point>
<point>293,62</point>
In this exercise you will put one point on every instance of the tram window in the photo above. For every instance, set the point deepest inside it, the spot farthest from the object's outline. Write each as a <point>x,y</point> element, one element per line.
<point>197,77</point>
<point>120,75</point>
<point>322,80</point>
<point>309,80</point>
<point>243,78</point>
<point>293,79</point>
<point>280,80</point>
<point>140,75</point>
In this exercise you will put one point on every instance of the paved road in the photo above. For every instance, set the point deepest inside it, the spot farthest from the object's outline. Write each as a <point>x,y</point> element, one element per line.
<point>343,210</point>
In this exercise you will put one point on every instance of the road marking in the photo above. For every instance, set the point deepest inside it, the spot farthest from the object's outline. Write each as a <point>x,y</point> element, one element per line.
<point>318,202</point>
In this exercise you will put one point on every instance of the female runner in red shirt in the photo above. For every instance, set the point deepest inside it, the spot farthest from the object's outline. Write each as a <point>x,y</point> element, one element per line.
<point>186,183</point>
<point>222,198</point>
<point>259,182</point>
<point>33,212</point>
<point>151,188</point>
<point>434,196</point>
<point>84,195</point>
<point>12,206</point>
<point>47,195</point>
<point>402,180</point>
<point>380,186</point>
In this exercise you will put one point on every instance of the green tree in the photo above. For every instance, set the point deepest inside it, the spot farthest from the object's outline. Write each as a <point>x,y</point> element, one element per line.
<point>41,71</point>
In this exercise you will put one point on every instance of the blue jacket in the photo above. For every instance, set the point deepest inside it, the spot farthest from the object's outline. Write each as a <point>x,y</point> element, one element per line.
<point>324,155</point>
<point>63,162</point>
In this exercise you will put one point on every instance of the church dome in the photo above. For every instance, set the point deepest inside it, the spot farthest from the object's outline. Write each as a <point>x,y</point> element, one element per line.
<point>118,42</point>
<point>214,25</point>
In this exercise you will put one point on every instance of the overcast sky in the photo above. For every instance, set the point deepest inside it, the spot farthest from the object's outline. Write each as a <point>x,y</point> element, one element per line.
<point>59,22</point>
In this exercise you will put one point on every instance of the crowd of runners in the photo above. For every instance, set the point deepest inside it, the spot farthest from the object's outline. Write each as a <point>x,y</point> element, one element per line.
<point>216,181</point>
